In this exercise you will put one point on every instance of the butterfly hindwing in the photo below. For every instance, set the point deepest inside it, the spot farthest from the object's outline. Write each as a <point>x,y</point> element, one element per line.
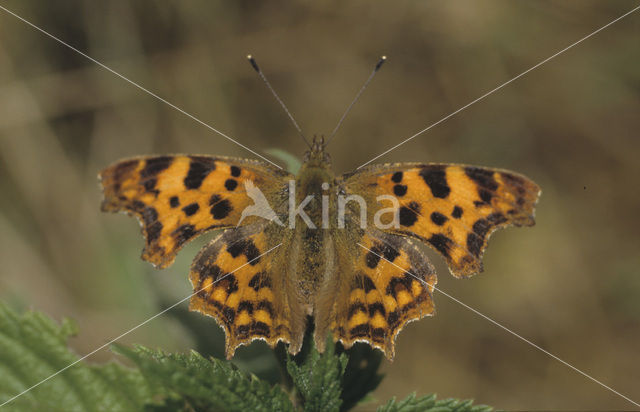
<point>452,208</point>
<point>236,280</point>
<point>179,197</point>
<point>389,284</point>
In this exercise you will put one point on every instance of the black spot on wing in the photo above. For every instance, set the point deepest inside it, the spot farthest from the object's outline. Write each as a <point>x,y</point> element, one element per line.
<point>483,177</point>
<point>496,218</point>
<point>387,252</point>
<point>396,177</point>
<point>231,184</point>
<point>183,233</point>
<point>221,209</point>
<point>153,231</point>
<point>154,166</point>
<point>191,209</point>
<point>252,253</point>
<point>360,331</point>
<point>229,315</point>
<point>247,248</point>
<point>376,307</point>
<point>476,239</point>
<point>138,206</point>
<point>407,216</point>
<point>152,225</point>
<point>378,334</point>
<point>235,171</point>
<point>199,169</point>
<point>246,305</point>
<point>355,308</point>
<point>435,177</point>
<point>363,281</point>
<point>438,218</point>
<point>378,250</point>
<point>150,185</point>
<point>396,284</point>
<point>236,248</point>
<point>260,328</point>
<point>485,195</point>
<point>441,243</point>
<point>400,190</point>
<point>214,199</point>
<point>513,179</point>
<point>260,280</point>
<point>231,283</point>
<point>149,215</point>
<point>393,319</point>
<point>174,201</point>
<point>266,306</point>
<point>124,168</point>
<point>474,244</point>
<point>212,271</point>
<point>371,259</point>
<point>481,227</point>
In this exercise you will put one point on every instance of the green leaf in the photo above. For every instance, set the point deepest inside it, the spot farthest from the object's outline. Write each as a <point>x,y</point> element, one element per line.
<point>429,403</point>
<point>291,162</point>
<point>34,347</point>
<point>319,379</point>
<point>195,383</point>
<point>208,340</point>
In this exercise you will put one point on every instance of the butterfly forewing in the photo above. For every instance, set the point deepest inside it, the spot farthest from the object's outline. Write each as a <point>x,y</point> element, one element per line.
<point>179,197</point>
<point>452,208</point>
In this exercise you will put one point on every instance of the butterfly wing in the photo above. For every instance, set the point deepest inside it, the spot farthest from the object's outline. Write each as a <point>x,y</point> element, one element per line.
<point>238,280</point>
<point>387,282</point>
<point>452,208</point>
<point>179,197</point>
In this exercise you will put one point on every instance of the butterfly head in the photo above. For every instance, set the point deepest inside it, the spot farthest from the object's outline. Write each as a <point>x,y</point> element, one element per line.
<point>316,156</point>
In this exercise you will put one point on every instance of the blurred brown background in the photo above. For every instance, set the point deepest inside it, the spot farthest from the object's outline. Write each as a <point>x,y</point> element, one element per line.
<point>570,284</point>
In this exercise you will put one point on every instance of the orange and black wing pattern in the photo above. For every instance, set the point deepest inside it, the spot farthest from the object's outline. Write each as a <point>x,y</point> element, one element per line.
<point>179,197</point>
<point>236,281</point>
<point>391,284</point>
<point>452,208</point>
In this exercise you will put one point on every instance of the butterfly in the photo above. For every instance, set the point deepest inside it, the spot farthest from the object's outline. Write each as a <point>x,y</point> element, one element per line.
<point>346,251</point>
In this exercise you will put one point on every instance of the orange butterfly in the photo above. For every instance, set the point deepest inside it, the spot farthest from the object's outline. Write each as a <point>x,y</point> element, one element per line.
<point>316,244</point>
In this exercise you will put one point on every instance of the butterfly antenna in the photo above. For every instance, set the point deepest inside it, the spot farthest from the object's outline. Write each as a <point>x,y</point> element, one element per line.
<point>264,78</point>
<point>364,86</point>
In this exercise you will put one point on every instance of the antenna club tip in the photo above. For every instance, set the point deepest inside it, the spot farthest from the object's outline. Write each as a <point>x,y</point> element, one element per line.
<point>380,62</point>
<point>253,63</point>
<point>381,58</point>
